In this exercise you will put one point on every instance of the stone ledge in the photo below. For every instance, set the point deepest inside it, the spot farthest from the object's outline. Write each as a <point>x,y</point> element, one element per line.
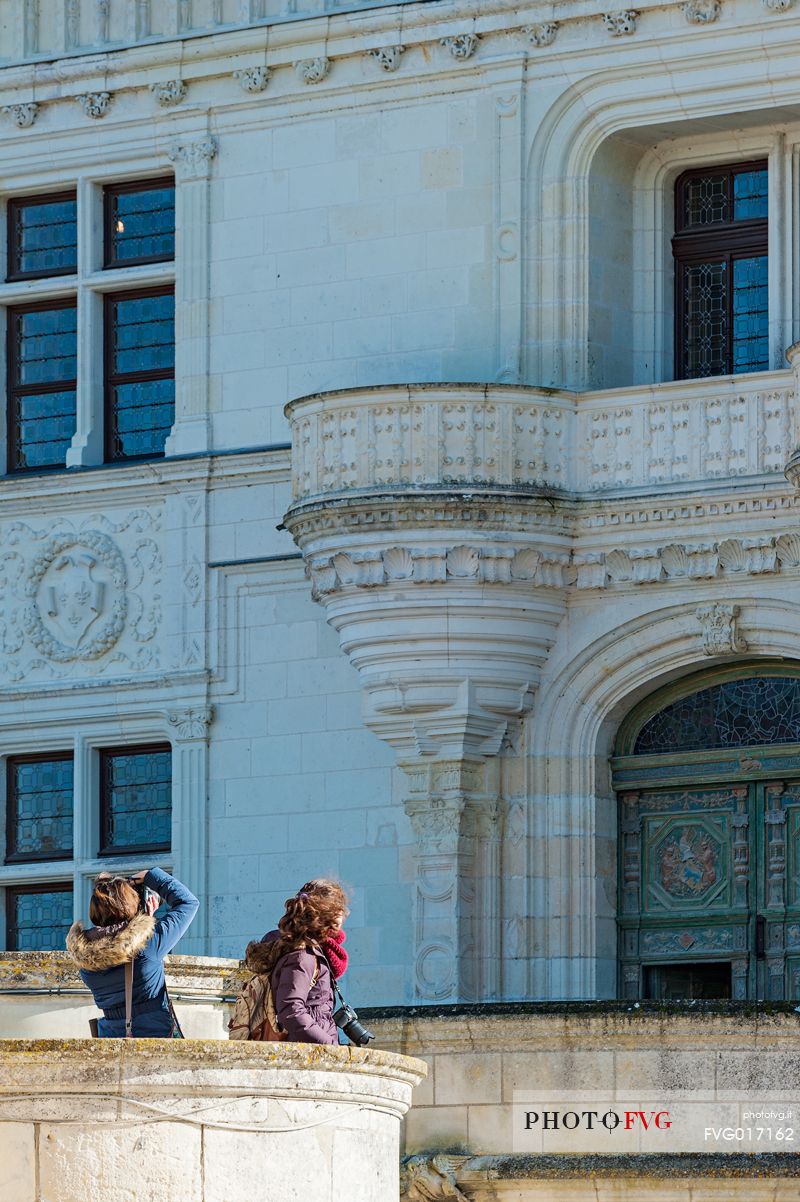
<point>478,1169</point>
<point>584,1010</point>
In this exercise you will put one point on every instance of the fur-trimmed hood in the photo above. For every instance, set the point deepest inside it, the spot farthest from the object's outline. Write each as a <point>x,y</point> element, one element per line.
<point>95,949</point>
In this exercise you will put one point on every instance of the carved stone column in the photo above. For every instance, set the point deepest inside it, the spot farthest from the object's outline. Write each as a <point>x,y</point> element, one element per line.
<point>190,813</point>
<point>192,161</point>
<point>429,520</point>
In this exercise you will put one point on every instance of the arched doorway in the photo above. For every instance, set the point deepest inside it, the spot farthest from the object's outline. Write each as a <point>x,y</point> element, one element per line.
<point>708,779</point>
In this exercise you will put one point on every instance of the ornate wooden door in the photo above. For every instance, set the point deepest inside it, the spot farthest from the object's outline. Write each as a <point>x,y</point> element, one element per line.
<point>709,844</point>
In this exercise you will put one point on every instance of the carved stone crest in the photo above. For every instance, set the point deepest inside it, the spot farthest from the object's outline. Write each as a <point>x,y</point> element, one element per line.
<point>22,115</point>
<point>387,57</point>
<point>312,70</point>
<point>718,625</point>
<point>622,23</point>
<point>462,46</point>
<point>252,79</point>
<point>77,597</point>
<point>169,92</point>
<point>95,104</point>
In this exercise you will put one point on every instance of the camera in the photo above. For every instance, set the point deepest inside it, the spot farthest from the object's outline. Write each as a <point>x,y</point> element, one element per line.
<point>145,893</point>
<point>347,1021</point>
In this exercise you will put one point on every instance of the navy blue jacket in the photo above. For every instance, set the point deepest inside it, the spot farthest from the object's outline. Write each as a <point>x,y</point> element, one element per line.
<point>151,1017</point>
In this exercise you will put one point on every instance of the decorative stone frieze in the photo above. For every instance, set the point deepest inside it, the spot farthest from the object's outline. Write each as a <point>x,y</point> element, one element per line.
<point>252,79</point>
<point>22,115</point>
<point>718,624</point>
<point>388,57</point>
<point>95,104</point>
<point>462,46</point>
<point>169,92</point>
<point>543,34</point>
<point>701,12</point>
<point>312,70</point>
<point>622,23</point>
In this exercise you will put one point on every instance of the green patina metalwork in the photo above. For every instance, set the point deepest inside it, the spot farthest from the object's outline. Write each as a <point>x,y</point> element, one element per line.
<point>709,837</point>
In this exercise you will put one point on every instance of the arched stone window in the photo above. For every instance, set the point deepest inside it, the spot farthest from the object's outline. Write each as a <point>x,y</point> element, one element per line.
<point>708,778</point>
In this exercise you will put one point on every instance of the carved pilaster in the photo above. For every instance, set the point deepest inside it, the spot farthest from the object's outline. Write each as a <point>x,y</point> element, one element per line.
<point>775,837</point>
<point>740,823</point>
<point>190,811</point>
<point>192,160</point>
<point>456,898</point>
<point>631,831</point>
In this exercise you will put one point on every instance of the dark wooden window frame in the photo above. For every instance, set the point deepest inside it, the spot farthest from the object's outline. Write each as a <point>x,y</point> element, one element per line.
<point>32,758</point>
<point>16,203</point>
<point>139,185</point>
<point>13,891</point>
<point>111,380</point>
<point>728,241</point>
<point>137,848</point>
<point>13,391</point>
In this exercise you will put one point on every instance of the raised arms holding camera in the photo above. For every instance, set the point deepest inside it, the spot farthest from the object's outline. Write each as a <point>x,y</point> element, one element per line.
<point>125,930</point>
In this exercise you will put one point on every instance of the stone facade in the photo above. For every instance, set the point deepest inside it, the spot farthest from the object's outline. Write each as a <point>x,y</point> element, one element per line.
<point>373,205</point>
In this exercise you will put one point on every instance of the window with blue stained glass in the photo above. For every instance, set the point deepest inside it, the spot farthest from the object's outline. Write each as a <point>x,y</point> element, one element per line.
<point>751,712</point>
<point>140,373</point>
<point>38,917</point>
<point>140,222</point>
<point>42,235</point>
<point>39,799</point>
<point>720,250</point>
<point>42,369</point>
<point>136,799</point>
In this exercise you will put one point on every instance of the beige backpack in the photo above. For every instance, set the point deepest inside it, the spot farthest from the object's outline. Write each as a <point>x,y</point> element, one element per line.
<point>254,1014</point>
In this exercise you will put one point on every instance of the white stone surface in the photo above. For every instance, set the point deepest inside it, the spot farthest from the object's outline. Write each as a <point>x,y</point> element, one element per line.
<point>173,1119</point>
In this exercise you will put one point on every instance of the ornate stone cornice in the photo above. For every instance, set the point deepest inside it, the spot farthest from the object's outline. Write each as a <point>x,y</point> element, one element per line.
<point>312,70</point>
<point>462,46</point>
<point>252,79</point>
<point>95,104</point>
<point>387,57</point>
<point>23,115</point>
<point>622,23</point>
<point>543,34</point>
<point>689,561</point>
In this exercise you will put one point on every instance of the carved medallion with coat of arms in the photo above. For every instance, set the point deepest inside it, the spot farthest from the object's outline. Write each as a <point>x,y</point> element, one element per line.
<point>77,596</point>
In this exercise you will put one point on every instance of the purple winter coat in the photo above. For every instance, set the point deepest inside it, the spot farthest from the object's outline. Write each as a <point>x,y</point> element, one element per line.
<point>303,1009</point>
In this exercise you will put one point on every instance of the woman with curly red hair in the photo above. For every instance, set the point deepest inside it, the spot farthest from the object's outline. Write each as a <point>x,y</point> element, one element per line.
<point>312,940</point>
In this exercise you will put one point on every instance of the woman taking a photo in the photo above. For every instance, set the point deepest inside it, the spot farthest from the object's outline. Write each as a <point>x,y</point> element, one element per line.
<point>311,948</point>
<point>125,930</point>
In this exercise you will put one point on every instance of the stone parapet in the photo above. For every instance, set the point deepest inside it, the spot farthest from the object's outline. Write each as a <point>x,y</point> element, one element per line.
<point>200,1118</point>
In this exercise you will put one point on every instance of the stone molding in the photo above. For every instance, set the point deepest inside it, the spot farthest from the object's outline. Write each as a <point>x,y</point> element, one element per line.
<point>95,60</point>
<point>729,558</point>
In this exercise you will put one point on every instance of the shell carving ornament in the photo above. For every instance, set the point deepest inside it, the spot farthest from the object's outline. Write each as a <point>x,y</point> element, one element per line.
<point>77,600</point>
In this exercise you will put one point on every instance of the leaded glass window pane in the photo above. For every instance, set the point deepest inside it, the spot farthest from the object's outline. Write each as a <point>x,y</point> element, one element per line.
<point>37,920</point>
<point>39,801</point>
<point>706,200</point>
<point>136,801</point>
<point>140,222</point>
<point>750,195</point>
<point>705,300</point>
<point>750,314</point>
<point>42,236</point>
<point>42,369</point>
<point>720,249</point>
<point>738,713</point>
<point>140,333</point>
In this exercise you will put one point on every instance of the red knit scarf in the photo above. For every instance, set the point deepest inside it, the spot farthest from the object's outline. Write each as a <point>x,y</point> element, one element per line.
<point>337,956</point>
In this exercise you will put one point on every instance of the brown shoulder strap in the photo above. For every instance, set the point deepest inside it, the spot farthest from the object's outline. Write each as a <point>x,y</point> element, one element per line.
<point>129,999</point>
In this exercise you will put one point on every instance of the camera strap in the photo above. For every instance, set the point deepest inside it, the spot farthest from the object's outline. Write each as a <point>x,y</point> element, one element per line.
<point>129,999</point>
